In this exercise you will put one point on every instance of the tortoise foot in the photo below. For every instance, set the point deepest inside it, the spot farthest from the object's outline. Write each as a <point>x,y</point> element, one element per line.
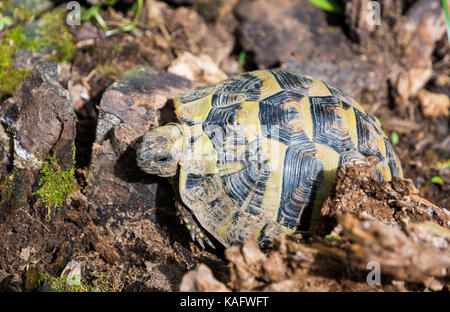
<point>192,225</point>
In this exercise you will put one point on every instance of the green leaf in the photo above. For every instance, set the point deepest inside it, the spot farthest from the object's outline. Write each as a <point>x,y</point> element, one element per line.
<point>128,27</point>
<point>394,138</point>
<point>447,18</point>
<point>139,11</point>
<point>101,22</point>
<point>7,20</point>
<point>332,6</point>
<point>89,13</point>
<point>333,237</point>
<point>241,61</point>
<point>437,180</point>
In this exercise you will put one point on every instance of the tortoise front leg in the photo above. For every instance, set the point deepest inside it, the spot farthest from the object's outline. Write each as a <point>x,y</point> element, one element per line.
<point>192,225</point>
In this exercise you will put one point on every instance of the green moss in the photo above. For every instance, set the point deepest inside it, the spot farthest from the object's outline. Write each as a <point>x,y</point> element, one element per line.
<point>49,32</point>
<point>9,76</point>
<point>333,238</point>
<point>60,284</point>
<point>32,279</point>
<point>56,35</point>
<point>56,184</point>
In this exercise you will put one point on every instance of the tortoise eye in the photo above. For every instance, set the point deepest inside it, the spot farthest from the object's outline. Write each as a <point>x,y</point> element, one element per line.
<point>163,158</point>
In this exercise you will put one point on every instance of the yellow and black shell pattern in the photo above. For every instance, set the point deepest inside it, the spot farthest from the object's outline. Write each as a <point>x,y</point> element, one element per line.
<point>263,148</point>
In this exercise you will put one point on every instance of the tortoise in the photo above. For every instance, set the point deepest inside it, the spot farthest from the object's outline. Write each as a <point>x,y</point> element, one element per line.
<point>258,153</point>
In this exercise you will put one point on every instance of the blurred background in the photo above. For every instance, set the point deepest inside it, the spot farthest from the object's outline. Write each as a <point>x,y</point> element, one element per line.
<point>392,56</point>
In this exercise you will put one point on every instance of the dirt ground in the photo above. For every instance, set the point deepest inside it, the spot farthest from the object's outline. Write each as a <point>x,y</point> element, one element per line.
<point>115,254</point>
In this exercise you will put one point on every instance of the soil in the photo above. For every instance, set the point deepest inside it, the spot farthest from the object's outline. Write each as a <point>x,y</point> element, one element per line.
<point>79,233</point>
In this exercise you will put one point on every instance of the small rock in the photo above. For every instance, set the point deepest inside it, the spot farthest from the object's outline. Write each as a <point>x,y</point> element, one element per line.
<point>88,31</point>
<point>434,104</point>
<point>245,263</point>
<point>433,284</point>
<point>408,82</point>
<point>399,285</point>
<point>202,279</point>
<point>26,253</point>
<point>201,68</point>
<point>79,95</point>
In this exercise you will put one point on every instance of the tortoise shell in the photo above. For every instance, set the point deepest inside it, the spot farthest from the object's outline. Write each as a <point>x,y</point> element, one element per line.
<point>262,149</point>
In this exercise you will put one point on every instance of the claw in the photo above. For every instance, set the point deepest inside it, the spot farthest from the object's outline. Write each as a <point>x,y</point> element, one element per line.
<point>200,242</point>
<point>192,235</point>
<point>195,231</point>
<point>208,241</point>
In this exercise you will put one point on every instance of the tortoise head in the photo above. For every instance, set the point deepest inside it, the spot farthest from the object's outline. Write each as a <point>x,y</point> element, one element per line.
<point>160,150</point>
